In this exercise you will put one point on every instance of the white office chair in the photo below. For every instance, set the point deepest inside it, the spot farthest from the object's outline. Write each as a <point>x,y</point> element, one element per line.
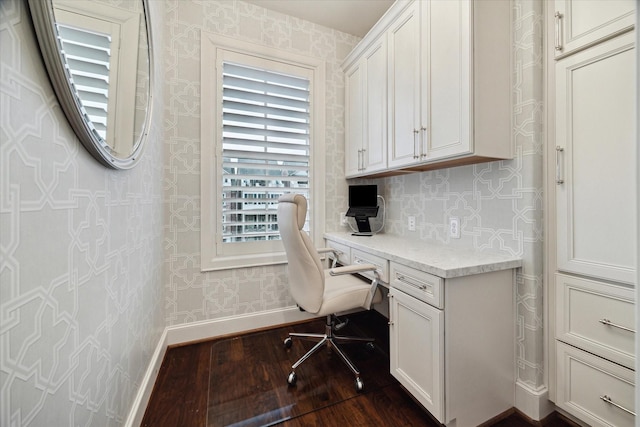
<point>319,291</point>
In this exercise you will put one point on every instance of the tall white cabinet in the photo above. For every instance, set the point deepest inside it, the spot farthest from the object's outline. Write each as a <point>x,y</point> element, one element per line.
<point>595,209</point>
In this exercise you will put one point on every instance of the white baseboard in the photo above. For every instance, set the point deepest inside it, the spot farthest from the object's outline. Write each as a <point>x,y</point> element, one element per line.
<point>136,413</point>
<point>199,331</point>
<point>208,329</point>
<point>535,404</point>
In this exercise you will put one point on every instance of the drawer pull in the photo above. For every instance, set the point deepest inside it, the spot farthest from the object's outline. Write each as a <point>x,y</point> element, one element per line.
<point>611,402</point>
<point>408,281</point>
<point>364,261</point>
<point>610,323</point>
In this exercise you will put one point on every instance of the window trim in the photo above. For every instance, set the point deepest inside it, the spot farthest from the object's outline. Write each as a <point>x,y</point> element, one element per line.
<point>211,131</point>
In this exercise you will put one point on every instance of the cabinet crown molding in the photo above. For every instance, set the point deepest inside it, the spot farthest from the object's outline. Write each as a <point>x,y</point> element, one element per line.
<point>376,31</point>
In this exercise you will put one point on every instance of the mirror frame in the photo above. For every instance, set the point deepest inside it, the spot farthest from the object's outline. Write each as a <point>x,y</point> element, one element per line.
<point>43,17</point>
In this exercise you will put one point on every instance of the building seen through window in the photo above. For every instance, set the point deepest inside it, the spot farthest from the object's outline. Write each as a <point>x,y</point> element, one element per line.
<point>265,149</point>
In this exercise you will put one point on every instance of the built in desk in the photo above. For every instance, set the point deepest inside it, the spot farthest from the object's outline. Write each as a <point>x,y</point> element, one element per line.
<point>451,322</point>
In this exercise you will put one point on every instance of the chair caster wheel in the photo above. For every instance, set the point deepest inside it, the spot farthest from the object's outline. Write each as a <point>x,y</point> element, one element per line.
<point>288,342</point>
<point>359,385</point>
<point>292,378</point>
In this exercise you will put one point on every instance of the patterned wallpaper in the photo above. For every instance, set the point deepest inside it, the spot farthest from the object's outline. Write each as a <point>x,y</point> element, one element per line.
<point>81,293</point>
<point>192,295</point>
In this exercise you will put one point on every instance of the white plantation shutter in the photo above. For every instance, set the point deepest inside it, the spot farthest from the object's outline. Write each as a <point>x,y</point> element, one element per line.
<point>87,54</point>
<point>265,148</point>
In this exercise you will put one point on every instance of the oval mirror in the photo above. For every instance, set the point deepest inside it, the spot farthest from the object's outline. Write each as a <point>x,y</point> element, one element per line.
<point>98,57</point>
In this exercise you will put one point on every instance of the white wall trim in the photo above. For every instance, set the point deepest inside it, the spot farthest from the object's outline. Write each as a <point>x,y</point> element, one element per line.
<point>197,331</point>
<point>535,404</point>
<point>208,329</point>
<point>134,419</point>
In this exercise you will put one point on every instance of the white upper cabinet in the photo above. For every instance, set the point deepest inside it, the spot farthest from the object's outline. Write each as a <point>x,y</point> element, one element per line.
<point>354,119</point>
<point>404,89</point>
<point>448,84</point>
<point>429,83</point>
<point>582,23</point>
<point>446,91</point>
<point>366,112</point>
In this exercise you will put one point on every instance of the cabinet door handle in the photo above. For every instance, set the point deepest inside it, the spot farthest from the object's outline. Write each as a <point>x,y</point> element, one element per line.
<point>559,171</point>
<point>615,325</point>
<point>423,142</point>
<point>359,160</point>
<point>415,137</point>
<point>558,22</point>
<point>611,402</point>
<point>364,158</point>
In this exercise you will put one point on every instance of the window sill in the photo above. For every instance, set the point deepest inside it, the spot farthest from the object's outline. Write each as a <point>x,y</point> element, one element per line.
<point>243,261</point>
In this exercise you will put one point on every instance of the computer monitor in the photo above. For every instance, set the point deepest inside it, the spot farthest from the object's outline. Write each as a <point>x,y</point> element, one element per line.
<point>363,204</point>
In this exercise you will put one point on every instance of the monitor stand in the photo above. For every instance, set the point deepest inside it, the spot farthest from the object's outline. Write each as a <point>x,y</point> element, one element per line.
<point>364,228</point>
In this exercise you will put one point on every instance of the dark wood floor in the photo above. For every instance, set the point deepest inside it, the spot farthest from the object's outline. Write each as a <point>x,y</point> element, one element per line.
<point>241,381</point>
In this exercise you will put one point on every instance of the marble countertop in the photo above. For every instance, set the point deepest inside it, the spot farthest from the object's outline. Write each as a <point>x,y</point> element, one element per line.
<point>439,259</point>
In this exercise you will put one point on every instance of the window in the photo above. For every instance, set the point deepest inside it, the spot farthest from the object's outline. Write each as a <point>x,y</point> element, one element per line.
<point>100,49</point>
<point>265,148</point>
<point>87,54</point>
<point>262,135</point>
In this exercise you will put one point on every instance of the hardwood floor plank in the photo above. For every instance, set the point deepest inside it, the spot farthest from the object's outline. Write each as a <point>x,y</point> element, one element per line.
<point>388,406</point>
<point>323,379</point>
<point>241,381</point>
<point>180,395</point>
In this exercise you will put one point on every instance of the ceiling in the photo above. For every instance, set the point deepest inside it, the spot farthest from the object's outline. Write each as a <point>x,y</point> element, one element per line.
<point>349,16</point>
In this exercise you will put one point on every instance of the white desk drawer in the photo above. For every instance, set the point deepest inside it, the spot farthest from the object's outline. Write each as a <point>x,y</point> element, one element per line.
<point>382,264</point>
<point>344,257</point>
<point>584,380</point>
<point>584,310</point>
<point>424,286</point>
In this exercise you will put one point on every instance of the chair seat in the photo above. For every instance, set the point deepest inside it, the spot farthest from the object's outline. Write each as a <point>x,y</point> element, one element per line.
<point>345,292</point>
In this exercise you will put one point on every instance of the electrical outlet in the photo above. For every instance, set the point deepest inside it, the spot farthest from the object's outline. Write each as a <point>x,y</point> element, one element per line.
<point>454,227</point>
<point>411,223</point>
<point>343,218</point>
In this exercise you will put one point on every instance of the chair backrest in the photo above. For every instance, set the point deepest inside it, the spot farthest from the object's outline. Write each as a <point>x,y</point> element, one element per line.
<point>306,274</point>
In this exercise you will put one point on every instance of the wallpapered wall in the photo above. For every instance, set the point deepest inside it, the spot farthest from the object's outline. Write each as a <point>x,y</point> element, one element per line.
<point>499,204</point>
<point>81,296</point>
<point>192,295</point>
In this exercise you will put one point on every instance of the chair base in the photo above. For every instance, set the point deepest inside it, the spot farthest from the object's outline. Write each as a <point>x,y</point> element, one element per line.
<point>329,340</point>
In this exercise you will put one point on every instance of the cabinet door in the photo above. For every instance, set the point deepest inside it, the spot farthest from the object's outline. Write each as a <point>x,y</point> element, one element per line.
<point>446,96</point>
<point>375,126</point>
<point>404,88</point>
<point>596,190</point>
<point>354,119</point>
<point>580,23</point>
<point>417,350</point>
